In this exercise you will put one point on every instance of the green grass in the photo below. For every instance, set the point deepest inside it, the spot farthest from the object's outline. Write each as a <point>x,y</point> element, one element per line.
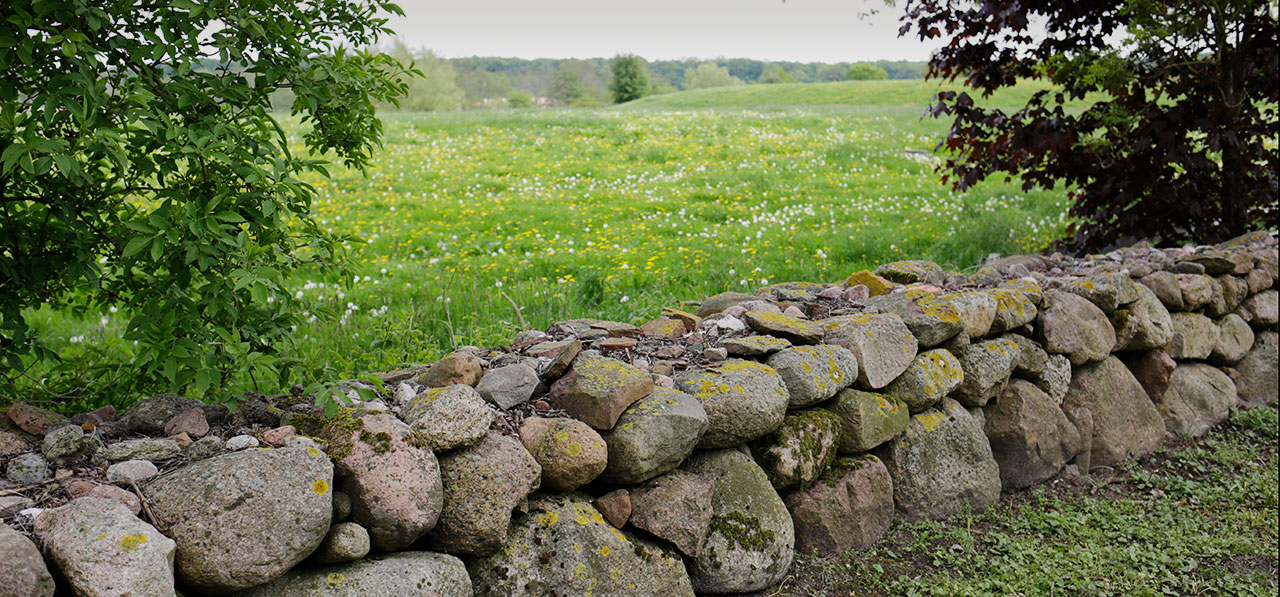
<point>907,94</point>
<point>1198,518</point>
<point>611,214</point>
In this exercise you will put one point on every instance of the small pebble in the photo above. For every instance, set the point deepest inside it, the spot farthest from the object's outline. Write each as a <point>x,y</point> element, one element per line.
<point>138,470</point>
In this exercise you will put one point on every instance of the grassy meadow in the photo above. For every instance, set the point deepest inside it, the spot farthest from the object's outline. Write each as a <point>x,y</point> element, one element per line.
<point>615,213</point>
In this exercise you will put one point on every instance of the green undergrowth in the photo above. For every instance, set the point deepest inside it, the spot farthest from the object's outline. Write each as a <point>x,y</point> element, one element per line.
<point>1196,518</point>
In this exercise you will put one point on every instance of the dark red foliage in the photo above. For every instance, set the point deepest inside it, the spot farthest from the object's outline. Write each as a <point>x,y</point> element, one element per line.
<point>1182,142</point>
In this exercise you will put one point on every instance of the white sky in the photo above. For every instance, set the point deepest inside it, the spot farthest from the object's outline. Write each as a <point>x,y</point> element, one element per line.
<point>794,30</point>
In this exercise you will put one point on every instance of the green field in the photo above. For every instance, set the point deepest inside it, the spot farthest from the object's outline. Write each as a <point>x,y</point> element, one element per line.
<point>615,213</point>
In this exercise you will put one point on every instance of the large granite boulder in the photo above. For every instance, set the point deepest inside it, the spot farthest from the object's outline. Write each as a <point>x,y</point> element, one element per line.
<point>448,417</point>
<point>403,574</point>
<point>597,389</point>
<point>814,373</point>
<point>508,386</point>
<point>882,344</point>
<point>794,329</point>
<point>564,547</point>
<point>1144,324</point>
<point>799,451</point>
<point>977,311</point>
<point>1015,307</point>
<point>941,465</point>
<point>987,366</point>
<point>149,416</point>
<point>1031,438</point>
<point>675,507</point>
<point>458,367</point>
<point>24,573</point>
<point>743,400</point>
<point>1199,396</point>
<point>1194,336</point>
<point>653,436</point>
<point>931,319</point>
<point>483,483</point>
<point>752,539</point>
<point>569,451</point>
<point>1235,338</point>
<point>13,440</point>
<point>1125,422</point>
<point>101,549</point>
<point>1258,373</point>
<point>387,469</point>
<point>850,507</point>
<point>225,514</point>
<point>1073,326</point>
<point>933,375</point>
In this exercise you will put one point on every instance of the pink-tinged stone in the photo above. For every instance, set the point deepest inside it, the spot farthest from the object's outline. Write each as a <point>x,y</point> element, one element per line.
<point>675,506</point>
<point>460,367</point>
<point>851,507</point>
<point>33,419</point>
<point>615,506</point>
<point>664,327</point>
<point>617,343</point>
<point>101,549</point>
<point>597,389</point>
<point>569,451</point>
<point>190,421</point>
<point>183,440</point>
<point>1152,369</point>
<point>276,437</point>
<point>79,489</point>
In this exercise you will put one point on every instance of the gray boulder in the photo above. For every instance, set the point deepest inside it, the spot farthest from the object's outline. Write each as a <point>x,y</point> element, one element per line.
<point>28,468</point>
<point>1056,377</point>
<point>941,465</point>
<point>849,508</point>
<point>508,386</point>
<point>1125,422</point>
<point>743,400</point>
<point>675,507</point>
<point>752,539</point>
<point>881,343</point>
<point>448,417</point>
<point>149,416</point>
<point>1199,397</point>
<point>932,375</point>
<point>977,311</point>
<point>403,574</point>
<point>139,449</point>
<point>1235,338</point>
<point>483,483</point>
<point>653,436</point>
<point>569,451</point>
<point>24,573</point>
<point>66,444</point>
<point>1015,307</point>
<point>1165,286</point>
<point>931,319</point>
<point>225,514</point>
<point>1144,324</point>
<point>1075,327</point>
<point>1197,290</point>
<point>987,366</point>
<point>1262,308</point>
<point>101,549</point>
<point>564,547</point>
<point>1194,336</point>
<point>794,329</point>
<point>1031,438</point>
<point>715,304</point>
<point>868,419</point>
<point>1258,373</point>
<point>597,389</point>
<point>814,373</point>
<point>799,451</point>
<point>912,272</point>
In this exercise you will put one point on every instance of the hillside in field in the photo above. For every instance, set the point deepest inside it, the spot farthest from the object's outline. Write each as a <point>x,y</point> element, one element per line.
<point>843,93</point>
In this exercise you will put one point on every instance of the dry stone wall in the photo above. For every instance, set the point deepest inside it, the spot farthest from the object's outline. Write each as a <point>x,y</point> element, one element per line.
<point>696,453</point>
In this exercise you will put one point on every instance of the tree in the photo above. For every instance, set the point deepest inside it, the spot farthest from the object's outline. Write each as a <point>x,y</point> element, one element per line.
<point>141,168</point>
<point>575,83</point>
<point>707,75</point>
<point>777,75</point>
<point>829,73</point>
<point>630,81</point>
<point>432,87</point>
<point>866,72</point>
<point>1172,136</point>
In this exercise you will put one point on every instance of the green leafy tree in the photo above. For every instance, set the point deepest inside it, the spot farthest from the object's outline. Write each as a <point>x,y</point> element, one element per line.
<point>519,99</point>
<point>708,75</point>
<point>575,83</point>
<point>777,75</point>
<point>141,168</point>
<point>630,81</point>
<point>432,87</point>
<point>863,71</point>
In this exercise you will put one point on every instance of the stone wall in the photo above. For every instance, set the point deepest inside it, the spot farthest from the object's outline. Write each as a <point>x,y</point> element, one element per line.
<point>693,454</point>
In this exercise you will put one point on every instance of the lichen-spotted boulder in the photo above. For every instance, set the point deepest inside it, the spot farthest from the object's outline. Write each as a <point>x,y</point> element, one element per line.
<point>868,419</point>
<point>1194,336</point>
<point>597,389</point>
<point>754,346</point>
<point>814,373</point>
<point>1198,397</point>
<point>1015,308</point>
<point>849,507</point>
<point>912,272</point>
<point>13,440</point>
<point>564,547</point>
<point>508,386</point>
<point>1144,324</point>
<point>977,311</point>
<point>941,465</point>
<point>743,400</point>
<point>931,319</point>
<point>653,436</point>
<point>448,417</point>
<point>675,507</point>
<point>387,469</point>
<point>403,574</point>
<point>794,329</point>
<point>483,483</point>
<point>752,539</point>
<point>987,366</point>
<point>1258,373</point>
<point>569,451</point>
<point>1073,326</point>
<point>799,451</point>
<point>225,514</point>
<point>1031,438</point>
<point>881,343</point>
<point>101,549</point>
<point>1235,338</point>
<point>717,303</point>
<point>458,367</point>
<point>1125,422</point>
<point>933,375</point>
<point>24,573</point>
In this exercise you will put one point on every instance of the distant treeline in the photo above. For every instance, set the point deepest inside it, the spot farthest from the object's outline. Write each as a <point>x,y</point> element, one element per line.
<point>481,82</point>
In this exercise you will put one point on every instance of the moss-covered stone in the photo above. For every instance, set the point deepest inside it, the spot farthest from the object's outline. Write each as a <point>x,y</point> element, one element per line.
<point>799,451</point>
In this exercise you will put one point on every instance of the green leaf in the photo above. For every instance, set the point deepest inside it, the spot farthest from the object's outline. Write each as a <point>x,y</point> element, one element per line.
<point>136,245</point>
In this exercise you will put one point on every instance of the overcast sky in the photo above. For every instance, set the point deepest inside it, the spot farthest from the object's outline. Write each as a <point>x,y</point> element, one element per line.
<point>795,30</point>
